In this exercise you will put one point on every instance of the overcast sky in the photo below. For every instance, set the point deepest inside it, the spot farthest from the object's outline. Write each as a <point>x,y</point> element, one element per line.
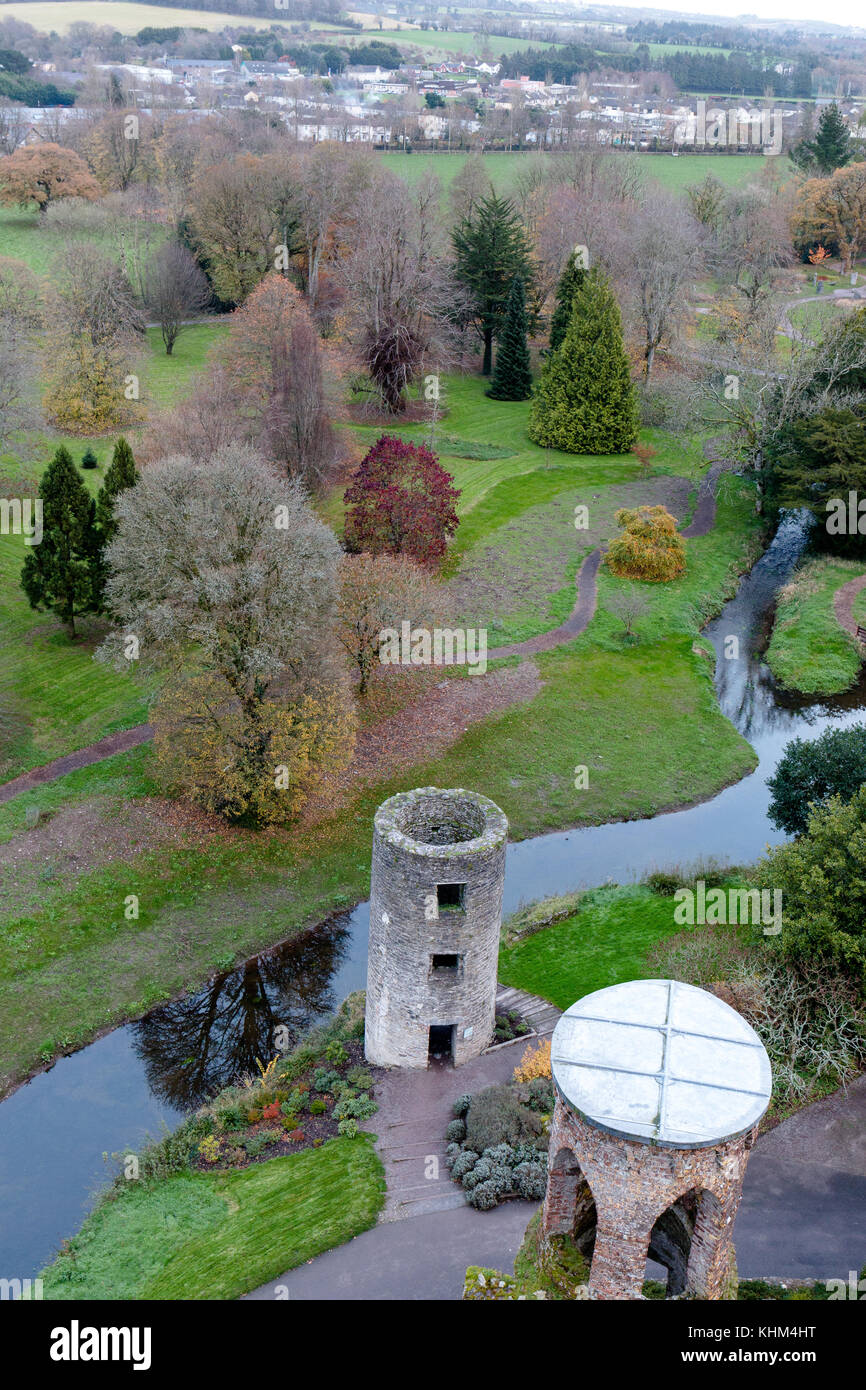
<point>842,11</point>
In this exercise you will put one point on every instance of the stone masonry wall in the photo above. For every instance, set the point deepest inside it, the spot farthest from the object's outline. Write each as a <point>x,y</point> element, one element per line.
<point>632,1185</point>
<point>406,928</point>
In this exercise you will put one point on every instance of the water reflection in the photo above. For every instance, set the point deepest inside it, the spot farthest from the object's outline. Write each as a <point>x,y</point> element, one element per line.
<point>195,1045</point>
<point>53,1131</point>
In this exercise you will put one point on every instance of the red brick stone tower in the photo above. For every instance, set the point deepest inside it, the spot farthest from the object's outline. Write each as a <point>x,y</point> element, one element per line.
<point>660,1087</point>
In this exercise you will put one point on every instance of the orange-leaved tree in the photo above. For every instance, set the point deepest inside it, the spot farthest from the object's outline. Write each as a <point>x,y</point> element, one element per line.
<point>43,173</point>
<point>650,547</point>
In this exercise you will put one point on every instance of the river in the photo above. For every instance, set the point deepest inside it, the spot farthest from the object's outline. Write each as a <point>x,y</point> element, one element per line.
<point>57,1132</point>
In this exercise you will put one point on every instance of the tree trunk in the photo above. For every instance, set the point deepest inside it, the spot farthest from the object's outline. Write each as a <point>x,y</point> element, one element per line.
<point>487,364</point>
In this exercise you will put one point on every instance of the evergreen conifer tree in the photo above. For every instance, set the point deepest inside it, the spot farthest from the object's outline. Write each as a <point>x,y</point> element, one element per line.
<point>490,247</point>
<point>58,573</point>
<point>585,402</point>
<point>121,473</point>
<point>512,375</point>
<point>571,280</point>
<point>832,144</point>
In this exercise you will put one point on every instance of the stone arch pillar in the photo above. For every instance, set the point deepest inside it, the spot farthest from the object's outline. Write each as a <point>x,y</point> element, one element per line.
<point>709,1269</point>
<point>660,1087</point>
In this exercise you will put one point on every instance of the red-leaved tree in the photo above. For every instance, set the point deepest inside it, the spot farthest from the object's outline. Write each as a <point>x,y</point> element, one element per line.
<point>401,502</point>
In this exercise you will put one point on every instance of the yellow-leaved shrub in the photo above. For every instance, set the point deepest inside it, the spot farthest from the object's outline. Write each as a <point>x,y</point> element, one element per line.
<point>650,547</point>
<point>534,1063</point>
<point>263,762</point>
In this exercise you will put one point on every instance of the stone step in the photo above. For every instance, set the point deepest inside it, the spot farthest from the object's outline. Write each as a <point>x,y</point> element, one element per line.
<point>400,1211</point>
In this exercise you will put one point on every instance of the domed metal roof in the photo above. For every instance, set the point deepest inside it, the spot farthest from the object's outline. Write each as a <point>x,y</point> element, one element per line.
<point>661,1062</point>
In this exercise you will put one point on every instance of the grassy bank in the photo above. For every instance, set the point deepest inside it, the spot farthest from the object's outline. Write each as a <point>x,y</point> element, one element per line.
<point>605,942</point>
<point>642,718</point>
<point>809,651</point>
<point>219,1235</point>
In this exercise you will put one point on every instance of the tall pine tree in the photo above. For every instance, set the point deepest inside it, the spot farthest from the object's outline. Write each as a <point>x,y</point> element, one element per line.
<point>571,281</point>
<point>832,143</point>
<point>512,375</point>
<point>58,573</point>
<point>585,402</point>
<point>121,473</point>
<point>491,247</point>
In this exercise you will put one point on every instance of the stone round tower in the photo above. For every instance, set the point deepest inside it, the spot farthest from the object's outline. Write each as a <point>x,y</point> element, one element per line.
<point>435,913</point>
<point>659,1090</point>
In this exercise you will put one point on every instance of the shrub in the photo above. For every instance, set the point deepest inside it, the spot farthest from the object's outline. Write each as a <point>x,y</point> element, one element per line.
<point>541,1095</point>
<point>650,547</point>
<point>326,1080</point>
<point>460,1106</point>
<point>535,1062</point>
<point>89,459</point>
<point>496,1116</point>
<point>485,1196</point>
<point>232,1117</point>
<point>317,1107</point>
<point>336,1053</point>
<point>297,1136</point>
<point>464,1162</point>
<point>663,882</point>
<point>355,1107</point>
<point>210,1148</point>
<point>360,1077</point>
<point>400,501</point>
<point>348,1129</point>
<point>530,1181</point>
<point>832,765</point>
<point>272,1111</point>
<point>455,1132</point>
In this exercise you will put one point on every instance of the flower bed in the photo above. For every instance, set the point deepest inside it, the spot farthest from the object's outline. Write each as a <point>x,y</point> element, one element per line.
<point>497,1141</point>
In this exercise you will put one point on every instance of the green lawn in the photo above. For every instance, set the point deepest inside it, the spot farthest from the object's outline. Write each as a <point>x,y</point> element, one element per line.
<point>442,43</point>
<point>809,651</point>
<point>220,1235</point>
<point>732,170</point>
<point>604,943</point>
<point>60,698</point>
<point>642,718</point>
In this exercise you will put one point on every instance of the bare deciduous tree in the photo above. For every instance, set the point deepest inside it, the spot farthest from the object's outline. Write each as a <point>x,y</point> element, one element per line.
<point>378,592</point>
<point>401,296</point>
<point>175,289</point>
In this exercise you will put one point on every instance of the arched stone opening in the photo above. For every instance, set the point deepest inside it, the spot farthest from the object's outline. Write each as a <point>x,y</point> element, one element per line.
<point>569,1206</point>
<point>670,1240</point>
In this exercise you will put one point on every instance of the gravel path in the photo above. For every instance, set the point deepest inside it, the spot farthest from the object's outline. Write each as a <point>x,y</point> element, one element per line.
<point>843,603</point>
<point>94,753</point>
<point>583,612</point>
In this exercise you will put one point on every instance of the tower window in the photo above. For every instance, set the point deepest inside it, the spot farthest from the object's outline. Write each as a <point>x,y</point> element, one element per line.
<point>451,897</point>
<point>444,965</point>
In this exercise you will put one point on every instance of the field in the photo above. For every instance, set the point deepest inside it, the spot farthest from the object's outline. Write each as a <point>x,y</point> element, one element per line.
<point>604,943</point>
<point>445,43</point>
<point>734,171</point>
<point>124,15</point>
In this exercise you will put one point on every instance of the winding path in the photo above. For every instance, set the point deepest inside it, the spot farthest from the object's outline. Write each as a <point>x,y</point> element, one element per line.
<point>843,603</point>
<point>578,621</point>
<point>586,583</point>
<point>83,757</point>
